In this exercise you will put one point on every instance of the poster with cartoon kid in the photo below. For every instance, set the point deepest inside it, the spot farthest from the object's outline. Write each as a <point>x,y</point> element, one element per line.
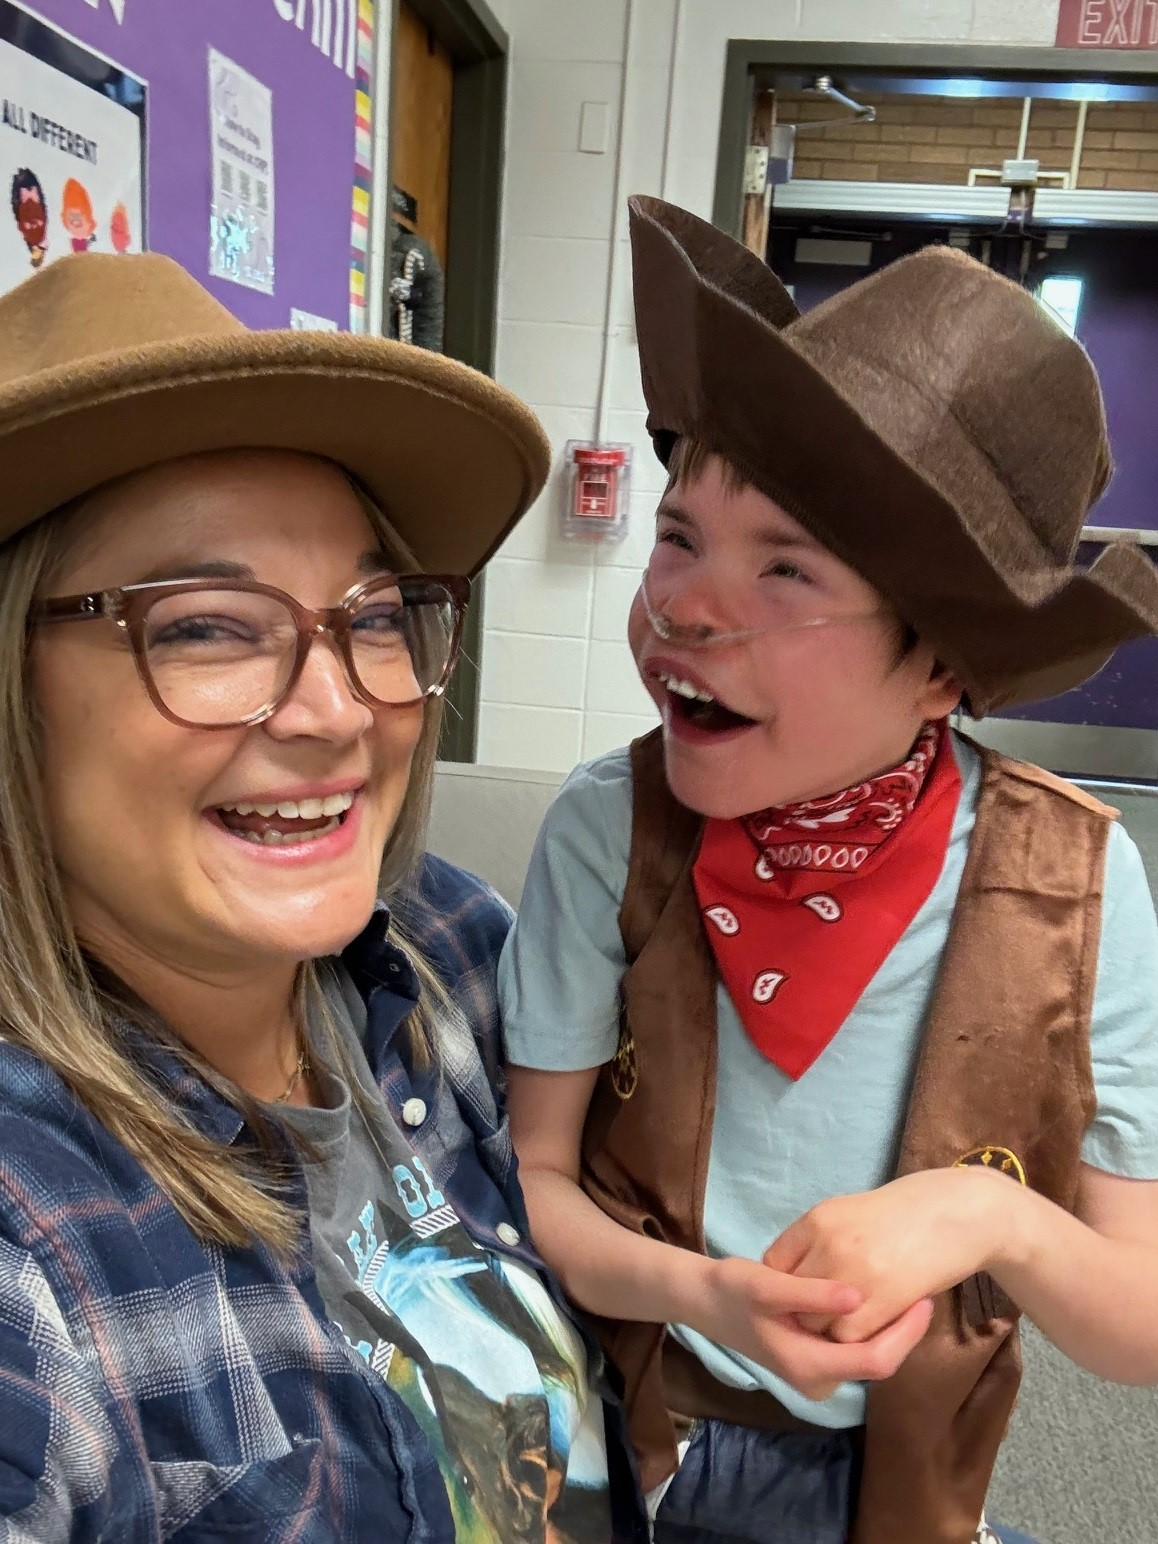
<point>72,150</point>
<point>30,213</point>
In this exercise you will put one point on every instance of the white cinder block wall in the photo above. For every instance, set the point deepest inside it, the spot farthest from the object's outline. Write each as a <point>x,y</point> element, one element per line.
<point>558,684</point>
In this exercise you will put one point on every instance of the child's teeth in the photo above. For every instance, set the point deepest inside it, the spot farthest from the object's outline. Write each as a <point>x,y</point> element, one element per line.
<point>686,689</point>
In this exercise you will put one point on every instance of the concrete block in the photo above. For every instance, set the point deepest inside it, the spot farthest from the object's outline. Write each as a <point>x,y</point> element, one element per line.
<point>539,739</point>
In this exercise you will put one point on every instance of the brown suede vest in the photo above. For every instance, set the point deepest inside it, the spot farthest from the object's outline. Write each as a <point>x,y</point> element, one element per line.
<point>1005,1060</point>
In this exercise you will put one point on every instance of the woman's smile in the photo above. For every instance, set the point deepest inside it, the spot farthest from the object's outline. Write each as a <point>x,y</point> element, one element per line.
<point>307,828</point>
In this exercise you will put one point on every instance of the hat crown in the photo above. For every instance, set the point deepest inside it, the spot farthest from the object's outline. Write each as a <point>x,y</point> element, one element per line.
<point>935,345</point>
<point>89,304</point>
<point>932,425</point>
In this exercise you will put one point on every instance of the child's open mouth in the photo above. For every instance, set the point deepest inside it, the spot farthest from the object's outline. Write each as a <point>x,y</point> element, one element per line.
<point>287,823</point>
<point>692,705</point>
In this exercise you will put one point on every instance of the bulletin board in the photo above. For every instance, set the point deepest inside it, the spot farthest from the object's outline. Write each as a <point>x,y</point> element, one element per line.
<point>233,135</point>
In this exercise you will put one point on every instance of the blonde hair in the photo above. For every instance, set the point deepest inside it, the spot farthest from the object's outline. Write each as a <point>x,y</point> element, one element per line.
<point>62,1006</point>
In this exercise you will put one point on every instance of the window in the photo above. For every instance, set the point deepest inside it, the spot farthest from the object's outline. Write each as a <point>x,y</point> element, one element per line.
<point>1062,296</point>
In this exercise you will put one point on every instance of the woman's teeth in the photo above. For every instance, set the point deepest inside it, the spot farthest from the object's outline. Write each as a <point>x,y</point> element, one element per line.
<point>274,838</point>
<point>297,809</point>
<point>273,825</point>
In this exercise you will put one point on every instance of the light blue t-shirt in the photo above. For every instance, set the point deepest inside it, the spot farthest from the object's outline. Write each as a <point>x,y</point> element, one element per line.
<point>778,1146</point>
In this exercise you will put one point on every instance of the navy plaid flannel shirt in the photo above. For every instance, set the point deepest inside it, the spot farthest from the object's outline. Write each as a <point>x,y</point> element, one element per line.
<point>154,1388</point>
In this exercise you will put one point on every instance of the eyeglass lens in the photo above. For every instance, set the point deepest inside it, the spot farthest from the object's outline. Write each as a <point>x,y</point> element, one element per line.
<point>221,656</point>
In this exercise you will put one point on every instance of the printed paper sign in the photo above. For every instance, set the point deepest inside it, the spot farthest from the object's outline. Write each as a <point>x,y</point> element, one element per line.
<point>241,234</point>
<point>1107,24</point>
<point>306,321</point>
<point>70,156</point>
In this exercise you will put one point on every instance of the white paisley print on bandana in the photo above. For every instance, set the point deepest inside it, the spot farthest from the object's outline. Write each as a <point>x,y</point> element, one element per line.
<point>837,834</point>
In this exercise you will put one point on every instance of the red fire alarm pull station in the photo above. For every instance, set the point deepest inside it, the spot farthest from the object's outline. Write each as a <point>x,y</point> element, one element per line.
<point>598,490</point>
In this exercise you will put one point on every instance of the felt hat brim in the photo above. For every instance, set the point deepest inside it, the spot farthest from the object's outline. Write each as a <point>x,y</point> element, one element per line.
<point>452,459</point>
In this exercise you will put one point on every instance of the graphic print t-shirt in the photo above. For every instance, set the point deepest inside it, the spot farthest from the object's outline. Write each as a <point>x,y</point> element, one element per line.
<point>470,1341</point>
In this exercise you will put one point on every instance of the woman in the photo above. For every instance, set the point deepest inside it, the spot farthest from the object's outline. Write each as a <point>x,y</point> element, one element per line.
<point>262,1270</point>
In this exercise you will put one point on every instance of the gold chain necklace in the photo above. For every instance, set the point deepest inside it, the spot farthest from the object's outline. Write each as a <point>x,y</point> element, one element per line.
<point>299,1073</point>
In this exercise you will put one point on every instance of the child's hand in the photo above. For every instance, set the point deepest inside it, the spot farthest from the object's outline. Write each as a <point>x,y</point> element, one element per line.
<point>752,1309</point>
<point>907,1241</point>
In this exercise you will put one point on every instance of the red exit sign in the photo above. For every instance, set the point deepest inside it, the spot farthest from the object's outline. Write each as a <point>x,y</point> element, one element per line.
<point>1107,24</point>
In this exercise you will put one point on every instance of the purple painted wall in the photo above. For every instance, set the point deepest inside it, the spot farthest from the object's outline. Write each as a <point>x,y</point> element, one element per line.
<point>1118,323</point>
<point>166,42</point>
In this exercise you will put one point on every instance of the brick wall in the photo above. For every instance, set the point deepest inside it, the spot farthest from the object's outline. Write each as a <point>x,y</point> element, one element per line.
<point>923,139</point>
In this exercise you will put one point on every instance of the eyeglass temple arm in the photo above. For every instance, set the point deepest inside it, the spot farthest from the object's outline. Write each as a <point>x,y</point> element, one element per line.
<point>72,608</point>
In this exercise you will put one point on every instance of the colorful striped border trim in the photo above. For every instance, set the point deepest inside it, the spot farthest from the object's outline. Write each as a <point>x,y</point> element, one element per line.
<point>363,163</point>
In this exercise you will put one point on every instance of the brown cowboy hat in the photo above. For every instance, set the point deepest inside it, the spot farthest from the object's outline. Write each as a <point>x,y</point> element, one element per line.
<point>109,365</point>
<point>932,425</point>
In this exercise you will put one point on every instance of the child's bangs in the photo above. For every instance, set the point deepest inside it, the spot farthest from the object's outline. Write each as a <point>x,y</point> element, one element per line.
<point>689,460</point>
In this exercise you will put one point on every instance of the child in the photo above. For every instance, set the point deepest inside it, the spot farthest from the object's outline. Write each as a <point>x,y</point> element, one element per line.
<point>77,216</point>
<point>808,988</point>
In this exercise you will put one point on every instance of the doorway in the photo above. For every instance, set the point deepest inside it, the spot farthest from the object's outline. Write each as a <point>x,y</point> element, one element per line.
<point>834,164</point>
<point>422,115</point>
<point>448,101</point>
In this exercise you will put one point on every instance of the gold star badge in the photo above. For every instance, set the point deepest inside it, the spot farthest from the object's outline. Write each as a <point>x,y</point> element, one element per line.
<point>624,1068</point>
<point>990,1157</point>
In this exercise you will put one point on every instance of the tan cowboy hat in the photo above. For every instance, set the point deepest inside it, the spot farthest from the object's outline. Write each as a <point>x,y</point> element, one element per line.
<point>111,364</point>
<point>932,425</point>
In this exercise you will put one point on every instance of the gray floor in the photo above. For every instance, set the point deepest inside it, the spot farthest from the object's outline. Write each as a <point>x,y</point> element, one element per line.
<point>1079,1465</point>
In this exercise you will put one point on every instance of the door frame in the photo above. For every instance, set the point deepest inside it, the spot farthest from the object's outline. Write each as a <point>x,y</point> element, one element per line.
<point>750,58</point>
<point>478,46</point>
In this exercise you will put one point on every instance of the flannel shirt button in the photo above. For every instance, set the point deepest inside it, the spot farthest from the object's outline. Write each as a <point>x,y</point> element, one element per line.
<point>508,1235</point>
<point>414,1112</point>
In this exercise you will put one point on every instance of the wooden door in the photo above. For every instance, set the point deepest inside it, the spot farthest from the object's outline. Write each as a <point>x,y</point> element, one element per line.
<point>421,127</point>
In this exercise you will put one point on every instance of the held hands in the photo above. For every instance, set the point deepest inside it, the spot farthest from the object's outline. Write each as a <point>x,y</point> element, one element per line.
<point>753,1309</point>
<point>899,1245</point>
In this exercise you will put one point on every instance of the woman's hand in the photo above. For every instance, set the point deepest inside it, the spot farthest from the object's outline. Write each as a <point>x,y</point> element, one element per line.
<point>751,1308</point>
<point>900,1244</point>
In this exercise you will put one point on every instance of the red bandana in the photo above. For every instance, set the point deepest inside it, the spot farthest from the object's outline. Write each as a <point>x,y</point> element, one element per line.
<point>801,907</point>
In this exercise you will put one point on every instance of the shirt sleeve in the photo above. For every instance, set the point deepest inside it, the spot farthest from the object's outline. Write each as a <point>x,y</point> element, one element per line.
<point>59,1455</point>
<point>1123,1138</point>
<point>560,971</point>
